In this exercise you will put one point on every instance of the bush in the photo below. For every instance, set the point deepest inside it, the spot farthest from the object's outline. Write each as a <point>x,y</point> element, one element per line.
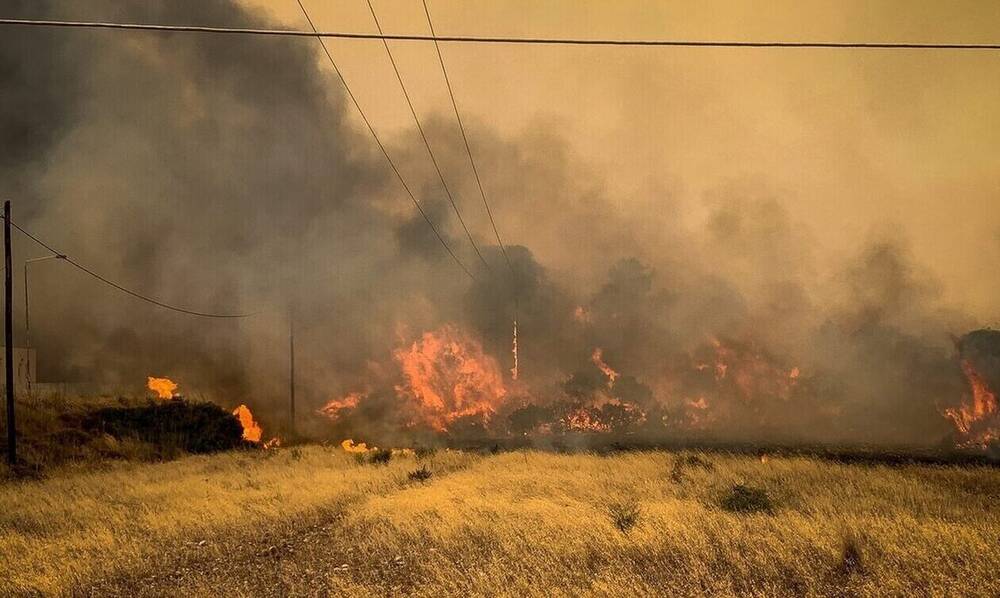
<point>378,456</point>
<point>687,461</point>
<point>420,475</point>
<point>851,561</point>
<point>747,499</point>
<point>172,426</point>
<point>424,452</point>
<point>624,515</point>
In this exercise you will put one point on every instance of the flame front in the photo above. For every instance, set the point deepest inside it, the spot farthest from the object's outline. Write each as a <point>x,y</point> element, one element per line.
<point>448,376</point>
<point>251,429</point>
<point>165,388</point>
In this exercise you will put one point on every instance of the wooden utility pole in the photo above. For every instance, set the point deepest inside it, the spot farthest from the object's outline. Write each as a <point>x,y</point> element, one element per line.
<point>8,318</point>
<point>291,370</point>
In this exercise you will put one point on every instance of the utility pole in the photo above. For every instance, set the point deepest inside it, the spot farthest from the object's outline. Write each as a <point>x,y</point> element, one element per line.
<point>8,291</point>
<point>291,369</point>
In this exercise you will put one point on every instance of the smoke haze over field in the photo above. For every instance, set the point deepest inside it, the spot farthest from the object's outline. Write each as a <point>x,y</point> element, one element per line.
<point>230,174</point>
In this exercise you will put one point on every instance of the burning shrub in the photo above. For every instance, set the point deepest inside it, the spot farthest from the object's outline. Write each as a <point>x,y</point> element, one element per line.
<point>747,499</point>
<point>420,475</point>
<point>171,426</point>
<point>977,418</point>
<point>624,514</point>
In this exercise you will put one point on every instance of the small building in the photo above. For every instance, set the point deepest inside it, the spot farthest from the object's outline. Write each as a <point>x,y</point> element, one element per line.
<point>25,368</point>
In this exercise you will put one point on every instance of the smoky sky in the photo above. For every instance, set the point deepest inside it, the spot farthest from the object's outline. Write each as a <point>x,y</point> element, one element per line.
<point>229,174</point>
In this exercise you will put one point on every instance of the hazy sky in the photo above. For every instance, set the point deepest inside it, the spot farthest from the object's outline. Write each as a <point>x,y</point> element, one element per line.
<point>853,142</point>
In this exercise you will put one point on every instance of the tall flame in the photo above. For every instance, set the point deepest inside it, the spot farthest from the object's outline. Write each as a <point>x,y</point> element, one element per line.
<point>251,429</point>
<point>448,376</point>
<point>597,358</point>
<point>163,387</point>
<point>969,418</point>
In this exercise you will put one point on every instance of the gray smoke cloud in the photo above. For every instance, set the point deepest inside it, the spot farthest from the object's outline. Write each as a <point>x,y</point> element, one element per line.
<point>225,174</point>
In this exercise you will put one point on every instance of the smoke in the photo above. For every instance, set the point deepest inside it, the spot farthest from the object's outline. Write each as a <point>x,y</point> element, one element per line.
<point>229,174</point>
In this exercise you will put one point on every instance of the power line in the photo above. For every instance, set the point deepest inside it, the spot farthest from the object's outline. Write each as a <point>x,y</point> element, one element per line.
<point>505,40</point>
<point>465,138</point>
<point>378,142</point>
<point>420,129</point>
<point>106,281</point>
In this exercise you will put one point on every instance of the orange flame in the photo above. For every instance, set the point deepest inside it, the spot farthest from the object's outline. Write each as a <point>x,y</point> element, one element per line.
<point>969,418</point>
<point>273,443</point>
<point>334,406</point>
<point>585,420</point>
<point>251,429</point>
<point>597,358</point>
<point>163,387</point>
<point>448,376</point>
<point>350,446</point>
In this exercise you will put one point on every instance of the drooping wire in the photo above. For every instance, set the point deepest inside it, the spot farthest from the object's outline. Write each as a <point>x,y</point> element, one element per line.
<point>381,147</point>
<point>423,136</point>
<point>515,370</point>
<point>471,39</point>
<point>62,256</point>
<point>465,138</point>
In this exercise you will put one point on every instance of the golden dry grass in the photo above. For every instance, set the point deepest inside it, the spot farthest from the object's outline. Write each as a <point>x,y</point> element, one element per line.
<point>313,521</point>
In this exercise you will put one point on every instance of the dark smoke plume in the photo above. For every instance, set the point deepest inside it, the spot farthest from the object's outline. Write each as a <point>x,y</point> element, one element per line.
<point>229,174</point>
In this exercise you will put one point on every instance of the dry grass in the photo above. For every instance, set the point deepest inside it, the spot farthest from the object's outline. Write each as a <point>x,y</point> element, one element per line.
<point>529,523</point>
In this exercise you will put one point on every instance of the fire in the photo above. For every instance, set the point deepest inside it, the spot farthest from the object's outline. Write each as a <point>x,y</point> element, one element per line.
<point>970,418</point>
<point>585,419</point>
<point>513,371</point>
<point>273,443</point>
<point>700,403</point>
<point>334,406</point>
<point>350,446</point>
<point>447,375</point>
<point>597,358</point>
<point>752,373</point>
<point>163,387</point>
<point>251,429</point>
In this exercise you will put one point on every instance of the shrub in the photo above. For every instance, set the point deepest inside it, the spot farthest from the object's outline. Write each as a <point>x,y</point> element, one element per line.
<point>851,561</point>
<point>172,426</point>
<point>379,456</point>
<point>685,461</point>
<point>424,452</point>
<point>747,499</point>
<point>624,515</point>
<point>420,475</point>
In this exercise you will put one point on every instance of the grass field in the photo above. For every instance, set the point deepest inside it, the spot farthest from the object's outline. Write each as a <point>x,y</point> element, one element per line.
<point>315,521</point>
